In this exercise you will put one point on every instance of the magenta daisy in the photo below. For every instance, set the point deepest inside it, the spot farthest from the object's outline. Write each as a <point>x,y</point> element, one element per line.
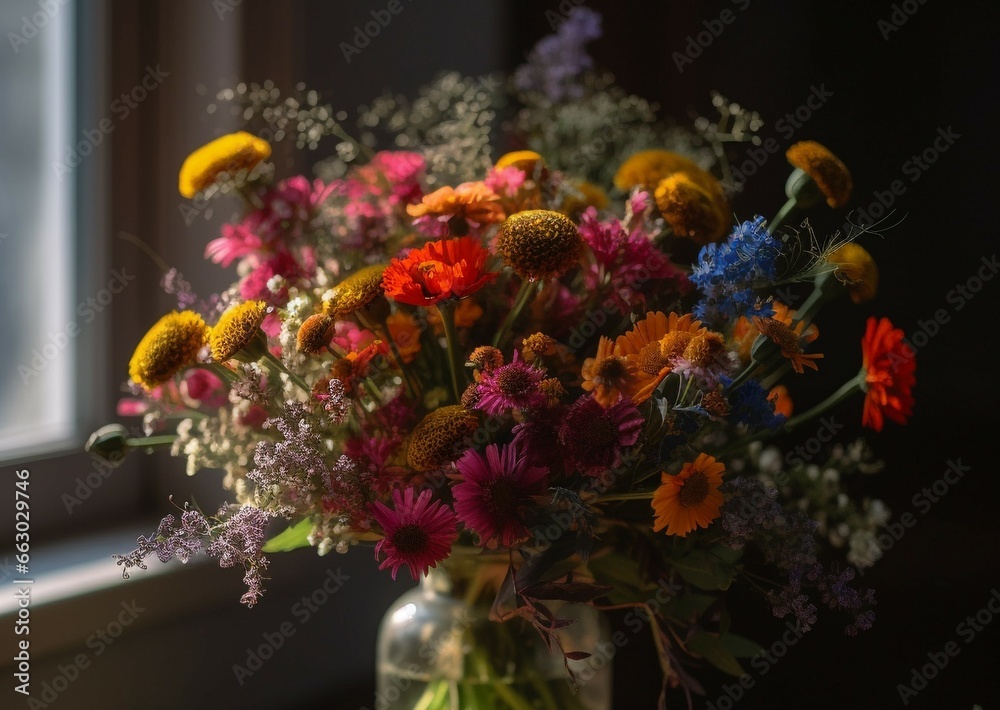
<point>511,386</point>
<point>497,493</point>
<point>418,533</point>
<point>595,437</point>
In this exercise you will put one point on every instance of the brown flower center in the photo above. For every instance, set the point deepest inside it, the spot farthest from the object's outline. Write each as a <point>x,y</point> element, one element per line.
<point>513,381</point>
<point>651,360</point>
<point>783,336</point>
<point>410,539</point>
<point>694,490</point>
<point>610,369</point>
<point>672,345</point>
<point>501,500</point>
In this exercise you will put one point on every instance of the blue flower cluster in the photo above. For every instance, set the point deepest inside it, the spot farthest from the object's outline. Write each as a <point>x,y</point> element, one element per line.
<point>557,61</point>
<point>727,273</point>
<point>750,406</point>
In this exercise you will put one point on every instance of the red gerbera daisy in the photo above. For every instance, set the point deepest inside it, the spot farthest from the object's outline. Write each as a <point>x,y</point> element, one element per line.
<point>497,493</point>
<point>889,364</point>
<point>595,437</point>
<point>418,533</point>
<point>447,268</point>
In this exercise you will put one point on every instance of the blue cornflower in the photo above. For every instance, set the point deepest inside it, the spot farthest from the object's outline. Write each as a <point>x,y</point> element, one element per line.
<point>751,406</point>
<point>727,273</point>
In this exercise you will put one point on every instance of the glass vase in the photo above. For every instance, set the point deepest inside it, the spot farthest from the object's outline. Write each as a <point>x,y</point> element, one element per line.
<point>438,650</point>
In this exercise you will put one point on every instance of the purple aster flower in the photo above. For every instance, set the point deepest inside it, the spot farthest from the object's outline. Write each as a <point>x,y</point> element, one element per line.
<point>510,386</point>
<point>595,437</point>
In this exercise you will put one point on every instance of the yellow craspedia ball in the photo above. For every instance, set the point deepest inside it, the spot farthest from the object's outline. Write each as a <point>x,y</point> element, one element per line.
<point>355,292</point>
<point>648,168</point>
<point>228,154</point>
<point>690,210</point>
<point>315,334</point>
<point>826,169</point>
<point>440,437</point>
<point>539,244</point>
<point>236,329</point>
<point>525,160</point>
<point>857,270</point>
<point>170,346</point>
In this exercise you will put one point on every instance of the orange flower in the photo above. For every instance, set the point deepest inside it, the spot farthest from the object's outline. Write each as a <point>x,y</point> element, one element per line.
<point>890,364</point>
<point>691,499</point>
<point>745,332</point>
<point>790,341</point>
<point>466,314</point>
<point>405,332</point>
<point>826,169</point>
<point>782,401</point>
<point>608,375</point>
<point>472,201</point>
<point>651,345</point>
<point>448,268</point>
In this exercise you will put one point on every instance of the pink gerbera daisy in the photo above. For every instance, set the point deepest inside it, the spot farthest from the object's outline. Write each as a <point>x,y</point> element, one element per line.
<point>595,437</point>
<point>511,386</point>
<point>418,533</point>
<point>497,493</point>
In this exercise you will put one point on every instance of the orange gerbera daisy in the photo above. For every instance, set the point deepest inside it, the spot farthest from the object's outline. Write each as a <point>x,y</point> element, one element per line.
<point>890,364</point>
<point>652,344</point>
<point>691,499</point>
<point>447,268</point>
<point>790,341</point>
<point>608,375</point>
<point>473,202</point>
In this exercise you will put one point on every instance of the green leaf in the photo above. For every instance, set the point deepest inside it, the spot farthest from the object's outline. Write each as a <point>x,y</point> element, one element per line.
<point>706,569</point>
<point>741,646</point>
<point>292,538</point>
<point>688,605</point>
<point>715,652</point>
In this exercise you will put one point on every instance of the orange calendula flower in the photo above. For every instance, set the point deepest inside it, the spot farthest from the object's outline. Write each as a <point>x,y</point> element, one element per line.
<point>890,365</point>
<point>691,499</point>
<point>609,376</point>
<point>228,154</point>
<point>471,201</point>
<point>652,344</point>
<point>790,341</point>
<point>448,268</point>
<point>467,312</point>
<point>826,169</point>
<point>745,333</point>
<point>405,332</point>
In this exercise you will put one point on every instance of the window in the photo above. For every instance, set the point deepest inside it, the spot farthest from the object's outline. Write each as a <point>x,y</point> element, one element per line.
<point>36,237</point>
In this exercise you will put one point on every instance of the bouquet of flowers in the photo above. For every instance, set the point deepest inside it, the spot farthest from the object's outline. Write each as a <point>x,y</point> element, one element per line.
<point>568,358</point>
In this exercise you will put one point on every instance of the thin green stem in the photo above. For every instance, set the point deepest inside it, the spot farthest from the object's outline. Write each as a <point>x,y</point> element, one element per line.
<point>447,311</point>
<point>278,366</point>
<point>856,384</point>
<point>522,298</point>
<point>646,495</point>
<point>786,211</point>
<point>151,441</point>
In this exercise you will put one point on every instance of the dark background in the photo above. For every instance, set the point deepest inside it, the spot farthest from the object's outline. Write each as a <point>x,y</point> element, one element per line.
<point>890,97</point>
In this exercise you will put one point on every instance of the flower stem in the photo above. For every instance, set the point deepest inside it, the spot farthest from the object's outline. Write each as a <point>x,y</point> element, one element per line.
<point>855,384</point>
<point>520,301</point>
<point>151,441</point>
<point>783,216</point>
<point>447,311</point>
<point>647,495</point>
<point>278,366</point>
